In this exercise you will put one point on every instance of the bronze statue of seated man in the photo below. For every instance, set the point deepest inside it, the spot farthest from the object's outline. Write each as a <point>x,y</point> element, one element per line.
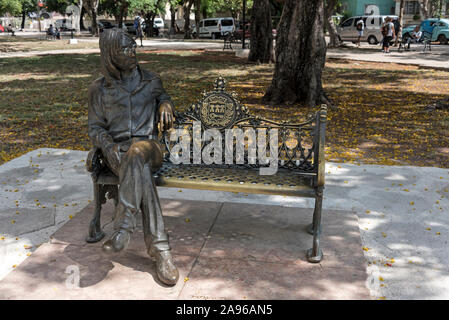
<point>125,107</point>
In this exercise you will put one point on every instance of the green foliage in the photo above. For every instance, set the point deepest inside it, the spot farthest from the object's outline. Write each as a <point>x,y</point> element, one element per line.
<point>235,7</point>
<point>13,7</point>
<point>111,7</point>
<point>346,16</point>
<point>145,6</point>
<point>28,5</point>
<point>57,5</point>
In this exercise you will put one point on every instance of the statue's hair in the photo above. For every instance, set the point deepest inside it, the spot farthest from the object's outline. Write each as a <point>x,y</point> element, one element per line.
<point>110,44</point>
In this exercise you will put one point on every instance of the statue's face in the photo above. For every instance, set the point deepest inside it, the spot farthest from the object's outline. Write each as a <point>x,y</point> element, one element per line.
<point>125,59</point>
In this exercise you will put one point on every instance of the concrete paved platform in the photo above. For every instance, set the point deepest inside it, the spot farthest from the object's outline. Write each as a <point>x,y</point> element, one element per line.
<point>223,251</point>
<point>402,215</point>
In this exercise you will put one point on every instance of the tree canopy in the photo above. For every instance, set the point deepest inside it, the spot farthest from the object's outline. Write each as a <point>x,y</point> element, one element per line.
<point>12,7</point>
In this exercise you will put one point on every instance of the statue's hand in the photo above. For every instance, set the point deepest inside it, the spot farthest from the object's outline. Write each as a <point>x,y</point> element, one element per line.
<point>166,116</point>
<point>112,154</point>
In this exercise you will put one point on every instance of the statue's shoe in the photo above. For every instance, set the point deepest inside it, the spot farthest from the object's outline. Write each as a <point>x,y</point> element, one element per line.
<point>165,268</point>
<point>118,241</point>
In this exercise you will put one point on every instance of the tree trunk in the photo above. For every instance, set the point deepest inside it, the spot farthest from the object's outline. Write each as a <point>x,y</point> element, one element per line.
<point>173,19</point>
<point>94,20</point>
<point>83,12</point>
<point>22,26</point>
<point>197,18</point>
<point>329,23</point>
<point>77,26</point>
<point>261,33</point>
<point>187,7</point>
<point>153,16</point>
<point>424,6</point>
<point>300,55</point>
<point>123,10</point>
<point>401,20</point>
<point>92,8</point>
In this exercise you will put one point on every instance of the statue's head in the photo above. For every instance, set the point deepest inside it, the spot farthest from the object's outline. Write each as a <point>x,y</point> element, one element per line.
<point>118,52</point>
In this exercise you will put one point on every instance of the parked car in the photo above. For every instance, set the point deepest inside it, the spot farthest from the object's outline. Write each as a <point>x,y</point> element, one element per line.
<point>129,27</point>
<point>239,31</point>
<point>104,24</point>
<point>437,28</point>
<point>215,28</point>
<point>158,23</point>
<point>347,30</point>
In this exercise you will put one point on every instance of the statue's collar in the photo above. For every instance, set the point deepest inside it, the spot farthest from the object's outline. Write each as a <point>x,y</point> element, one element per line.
<point>144,77</point>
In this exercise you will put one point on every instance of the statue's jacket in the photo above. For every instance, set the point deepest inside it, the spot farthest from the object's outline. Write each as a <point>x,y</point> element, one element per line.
<point>117,115</point>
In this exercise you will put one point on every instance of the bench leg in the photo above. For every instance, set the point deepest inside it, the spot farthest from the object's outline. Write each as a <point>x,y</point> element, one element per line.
<point>95,232</point>
<point>315,254</point>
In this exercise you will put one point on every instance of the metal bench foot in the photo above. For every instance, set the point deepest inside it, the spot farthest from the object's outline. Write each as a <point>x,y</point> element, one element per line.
<point>312,258</point>
<point>95,237</point>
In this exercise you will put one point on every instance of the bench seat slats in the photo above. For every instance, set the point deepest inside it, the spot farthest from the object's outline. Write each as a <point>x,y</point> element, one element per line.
<point>284,182</point>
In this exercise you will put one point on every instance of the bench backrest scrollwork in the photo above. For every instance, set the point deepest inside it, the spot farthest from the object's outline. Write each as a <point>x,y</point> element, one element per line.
<point>300,146</point>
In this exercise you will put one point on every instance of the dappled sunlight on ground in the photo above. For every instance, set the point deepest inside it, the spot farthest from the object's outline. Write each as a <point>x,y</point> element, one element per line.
<point>380,117</point>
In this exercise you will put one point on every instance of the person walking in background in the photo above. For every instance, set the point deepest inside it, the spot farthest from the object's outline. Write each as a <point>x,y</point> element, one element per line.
<point>138,26</point>
<point>389,33</point>
<point>360,29</point>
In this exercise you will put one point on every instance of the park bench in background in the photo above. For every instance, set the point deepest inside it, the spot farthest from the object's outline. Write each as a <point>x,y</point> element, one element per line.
<point>229,39</point>
<point>49,36</point>
<point>426,40</point>
<point>300,160</point>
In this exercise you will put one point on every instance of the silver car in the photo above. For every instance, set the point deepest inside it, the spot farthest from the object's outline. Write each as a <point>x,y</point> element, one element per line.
<point>347,30</point>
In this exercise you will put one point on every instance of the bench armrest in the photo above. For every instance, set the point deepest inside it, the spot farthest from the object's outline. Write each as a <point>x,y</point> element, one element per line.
<point>95,162</point>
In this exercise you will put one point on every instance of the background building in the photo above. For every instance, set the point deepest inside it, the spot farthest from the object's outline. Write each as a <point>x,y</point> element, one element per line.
<point>361,7</point>
<point>412,11</point>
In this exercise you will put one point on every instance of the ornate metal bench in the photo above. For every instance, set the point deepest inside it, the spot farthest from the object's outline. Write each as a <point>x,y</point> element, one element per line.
<point>300,159</point>
<point>228,39</point>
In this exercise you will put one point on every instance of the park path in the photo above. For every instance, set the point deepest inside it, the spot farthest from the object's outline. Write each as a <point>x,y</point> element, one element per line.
<point>438,58</point>
<point>147,45</point>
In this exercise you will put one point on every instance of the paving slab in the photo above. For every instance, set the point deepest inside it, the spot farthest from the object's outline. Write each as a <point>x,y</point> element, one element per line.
<point>39,192</point>
<point>218,255</point>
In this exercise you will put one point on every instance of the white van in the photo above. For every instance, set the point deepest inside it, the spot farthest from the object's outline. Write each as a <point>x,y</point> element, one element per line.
<point>216,27</point>
<point>159,23</point>
<point>347,30</point>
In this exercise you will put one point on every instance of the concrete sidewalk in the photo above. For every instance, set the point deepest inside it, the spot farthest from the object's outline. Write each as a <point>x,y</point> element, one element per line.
<point>402,218</point>
<point>163,44</point>
<point>438,59</point>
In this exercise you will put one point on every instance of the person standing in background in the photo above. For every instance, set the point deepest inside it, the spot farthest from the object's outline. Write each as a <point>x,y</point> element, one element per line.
<point>389,33</point>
